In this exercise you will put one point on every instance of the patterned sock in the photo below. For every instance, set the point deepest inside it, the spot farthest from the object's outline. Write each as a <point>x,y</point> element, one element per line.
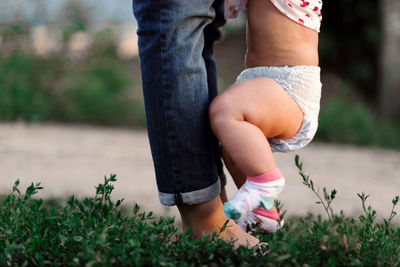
<point>267,218</point>
<point>257,190</point>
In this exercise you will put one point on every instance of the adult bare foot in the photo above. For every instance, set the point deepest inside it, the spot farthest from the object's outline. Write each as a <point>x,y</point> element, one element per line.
<point>209,217</point>
<point>233,231</point>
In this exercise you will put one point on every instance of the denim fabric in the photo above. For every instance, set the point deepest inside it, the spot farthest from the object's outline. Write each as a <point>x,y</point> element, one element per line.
<point>176,40</point>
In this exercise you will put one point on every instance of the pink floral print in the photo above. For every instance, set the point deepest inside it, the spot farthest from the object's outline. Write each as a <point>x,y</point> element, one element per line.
<point>307,13</point>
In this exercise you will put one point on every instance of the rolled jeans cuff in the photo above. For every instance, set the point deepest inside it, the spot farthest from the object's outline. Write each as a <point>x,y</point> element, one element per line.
<point>193,197</point>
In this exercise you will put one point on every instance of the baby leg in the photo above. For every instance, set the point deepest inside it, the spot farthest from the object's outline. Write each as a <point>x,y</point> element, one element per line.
<point>243,117</point>
<point>267,217</point>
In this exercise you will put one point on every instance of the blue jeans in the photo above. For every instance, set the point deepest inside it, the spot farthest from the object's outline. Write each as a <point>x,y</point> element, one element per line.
<point>179,78</point>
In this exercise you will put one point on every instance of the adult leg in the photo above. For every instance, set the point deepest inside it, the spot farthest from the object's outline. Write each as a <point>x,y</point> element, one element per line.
<point>211,35</point>
<point>175,86</point>
<point>174,77</point>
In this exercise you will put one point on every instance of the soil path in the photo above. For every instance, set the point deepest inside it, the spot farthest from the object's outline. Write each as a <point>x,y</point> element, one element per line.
<point>73,159</point>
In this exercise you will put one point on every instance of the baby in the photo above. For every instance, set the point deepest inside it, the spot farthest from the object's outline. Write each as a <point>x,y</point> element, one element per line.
<point>274,104</point>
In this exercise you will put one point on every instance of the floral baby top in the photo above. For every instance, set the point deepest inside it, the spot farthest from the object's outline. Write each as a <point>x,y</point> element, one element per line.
<point>304,12</point>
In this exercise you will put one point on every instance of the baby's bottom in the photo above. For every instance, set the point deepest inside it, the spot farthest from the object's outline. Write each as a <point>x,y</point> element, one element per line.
<point>243,117</point>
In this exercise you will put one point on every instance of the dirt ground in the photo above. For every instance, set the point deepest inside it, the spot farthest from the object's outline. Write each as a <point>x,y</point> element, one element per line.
<point>73,159</point>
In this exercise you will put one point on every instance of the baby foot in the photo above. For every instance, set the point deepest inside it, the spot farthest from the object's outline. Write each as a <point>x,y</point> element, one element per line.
<point>267,218</point>
<point>257,190</point>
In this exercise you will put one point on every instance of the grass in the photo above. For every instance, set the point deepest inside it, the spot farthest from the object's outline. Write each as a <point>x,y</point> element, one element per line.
<point>96,231</point>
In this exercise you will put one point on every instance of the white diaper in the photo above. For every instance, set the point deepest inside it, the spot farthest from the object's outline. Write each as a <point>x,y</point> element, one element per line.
<point>303,84</point>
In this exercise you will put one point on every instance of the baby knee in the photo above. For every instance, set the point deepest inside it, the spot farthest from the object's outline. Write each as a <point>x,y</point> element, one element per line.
<point>221,112</point>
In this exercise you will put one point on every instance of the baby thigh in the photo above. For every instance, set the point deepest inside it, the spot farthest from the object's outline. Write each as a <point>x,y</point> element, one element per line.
<point>262,102</point>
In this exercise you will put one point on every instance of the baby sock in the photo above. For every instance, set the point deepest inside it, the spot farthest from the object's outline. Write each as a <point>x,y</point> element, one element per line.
<point>267,218</point>
<point>257,190</point>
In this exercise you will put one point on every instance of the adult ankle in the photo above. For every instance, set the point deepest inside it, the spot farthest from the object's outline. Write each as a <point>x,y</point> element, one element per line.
<point>204,217</point>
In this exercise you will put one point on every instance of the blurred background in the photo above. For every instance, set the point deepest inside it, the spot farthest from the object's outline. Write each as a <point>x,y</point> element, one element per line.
<point>76,63</point>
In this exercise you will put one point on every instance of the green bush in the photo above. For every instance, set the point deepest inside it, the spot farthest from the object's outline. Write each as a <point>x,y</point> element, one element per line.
<point>345,122</point>
<point>342,120</point>
<point>345,119</point>
<point>96,90</point>
<point>37,89</point>
<point>96,232</point>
